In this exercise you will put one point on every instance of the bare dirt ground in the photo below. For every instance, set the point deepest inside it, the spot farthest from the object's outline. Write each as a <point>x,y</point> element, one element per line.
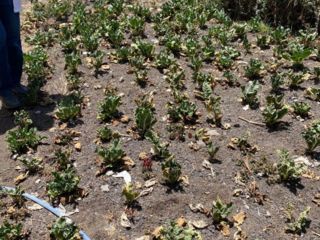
<point>99,213</point>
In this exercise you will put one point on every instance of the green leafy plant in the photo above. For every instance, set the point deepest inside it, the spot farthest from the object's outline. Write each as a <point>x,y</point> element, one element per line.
<point>16,195</point>
<point>220,210</point>
<point>109,106</point>
<point>144,48</point>
<point>163,60</point>
<point>64,183</point>
<point>300,224</point>
<point>62,158</point>
<point>250,93</point>
<point>22,119</point>
<point>32,164</point>
<point>112,156</point>
<point>136,25</point>
<point>172,231</point>
<point>130,194</point>
<point>185,110</point>
<point>297,53</point>
<point>64,229</point>
<point>263,41</point>
<point>160,149</point>
<point>313,93</point>
<point>302,109</point>
<point>145,119</point>
<point>312,136</point>
<point>212,150</point>
<point>105,134</point>
<point>25,136</point>
<point>277,80</point>
<point>73,61</point>
<point>274,111</point>
<point>296,79</point>
<point>253,70</point>
<point>171,171</point>
<point>69,108</point>
<point>287,169</point>
<point>10,231</point>
<point>213,106</point>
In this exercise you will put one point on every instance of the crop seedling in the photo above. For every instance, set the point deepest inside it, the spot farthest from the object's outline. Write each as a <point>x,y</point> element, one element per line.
<point>136,25</point>
<point>36,68</point>
<point>297,53</point>
<point>73,82</point>
<point>212,150</point>
<point>97,61</point>
<point>287,169</point>
<point>159,149</point>
<point>173,43</point>
<point>10,231</point>
<point>231,78</point>
<point>105,134</point>
<point>163,60</point>
<point>296,79</point>
<point>213,106</point>
<point>253,71</point>
<point>32,164</point>
<point>250,93</point>
<point>141,77</point>
<point>175,76</point>
<point>123,54</point>
<point>312,136</point>
<point>173,231</point>
<point>274,111</point>
<point>16,195</point>
<point>144,48</point>
<point>142,12</point>
<point>69,108</point>
<point>171,171</point>
<point>144,117</point>
<point>63,159</point>
<point>313,93</point>
<point>308,37</point>
<point>208,51</point>
<point>302,109</point>
<point>184,110</point>
<point>73,61</point>
<point>263,41</point>
<point>108,109</point>
<point>64,229</point>
<point>277,80</point>
<point>130,193</point>
<point>279,36</point>
<point>25,136</point>
<point>300,224</point>
<point>112,156</point>
<point>64,183</point>
<point>220,211</point>
<point>196,62</point>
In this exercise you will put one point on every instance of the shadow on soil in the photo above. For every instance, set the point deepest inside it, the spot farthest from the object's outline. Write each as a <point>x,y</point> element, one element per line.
<point>40,115</point>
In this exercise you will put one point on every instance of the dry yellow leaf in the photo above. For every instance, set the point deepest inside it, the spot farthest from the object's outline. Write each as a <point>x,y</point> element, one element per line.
<point>239,218</point>
<point>77,146</point>
<point>225,229</point>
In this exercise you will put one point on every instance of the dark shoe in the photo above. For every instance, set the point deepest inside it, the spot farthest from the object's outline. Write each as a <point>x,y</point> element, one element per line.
<point>20,90</point>
<point>9,100</point>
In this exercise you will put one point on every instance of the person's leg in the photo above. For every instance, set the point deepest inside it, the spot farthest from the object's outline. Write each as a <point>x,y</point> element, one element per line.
<point>5,74</point>
<point>11,24</point>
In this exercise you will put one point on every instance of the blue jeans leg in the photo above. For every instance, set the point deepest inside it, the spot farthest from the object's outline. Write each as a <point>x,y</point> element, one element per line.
<point>5,72</point>
<point>11,24</point>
